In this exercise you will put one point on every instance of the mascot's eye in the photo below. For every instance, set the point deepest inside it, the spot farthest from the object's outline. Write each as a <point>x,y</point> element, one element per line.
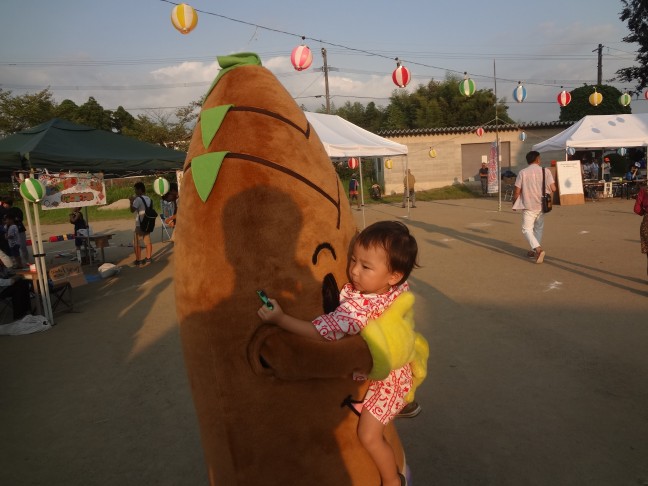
<point>330,294</point>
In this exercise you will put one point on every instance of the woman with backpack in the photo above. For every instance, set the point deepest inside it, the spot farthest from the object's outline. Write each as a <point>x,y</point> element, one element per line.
<point>141,205</point>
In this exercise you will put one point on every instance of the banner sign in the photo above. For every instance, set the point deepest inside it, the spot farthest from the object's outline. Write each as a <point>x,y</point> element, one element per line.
<point>493,187</point>
<point>72,190</point>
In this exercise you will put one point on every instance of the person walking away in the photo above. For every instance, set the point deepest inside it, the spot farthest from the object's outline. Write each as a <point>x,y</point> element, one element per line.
<point>353,190</point>
<point>17,213</point>
<point>641,208</point>
<point>483,178</point>
<point>408,189</point>
<point>383,256</point>
<point>528,198</point>
<point>138,204</point>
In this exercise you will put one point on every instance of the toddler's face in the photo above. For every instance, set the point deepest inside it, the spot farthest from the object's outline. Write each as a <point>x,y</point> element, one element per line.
<point>369,270</point>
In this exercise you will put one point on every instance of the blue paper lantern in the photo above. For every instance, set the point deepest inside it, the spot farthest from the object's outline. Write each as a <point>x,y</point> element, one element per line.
<point>571,150</point>
<point>622,151</point>
<point>523,136</point>
<point>519,93</point>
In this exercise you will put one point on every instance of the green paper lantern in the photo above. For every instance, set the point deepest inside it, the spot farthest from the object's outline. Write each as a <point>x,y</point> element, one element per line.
<point>467,86</point>
<point>32,190</point>
<point>161,186</point>
<point>625,99</point>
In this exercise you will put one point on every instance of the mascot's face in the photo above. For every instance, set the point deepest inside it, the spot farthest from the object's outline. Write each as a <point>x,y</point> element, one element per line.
<point>261,208</point>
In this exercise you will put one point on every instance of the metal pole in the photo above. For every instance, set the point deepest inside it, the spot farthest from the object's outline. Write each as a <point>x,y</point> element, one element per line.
<point>364,223</point>
<point>497,150</point>
<point>326,83</point>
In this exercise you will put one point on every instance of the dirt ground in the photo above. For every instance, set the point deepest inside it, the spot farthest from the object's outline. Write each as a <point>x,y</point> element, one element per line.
<point>537,374</point>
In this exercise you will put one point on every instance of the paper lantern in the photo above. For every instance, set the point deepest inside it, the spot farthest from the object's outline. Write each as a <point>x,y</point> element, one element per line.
<point>388,164</point>
<point>646,95</point>
<point>467,86</point>
<point>301,57</point>
<point>432,153</point>
<point>184,18</point>
<point>32,190</point>
<point>523,136</point>
<point>622,151</point>
<point>161,186</point>
<point>625,99</point>
<point>571,150</point>
<point>479,132</point>
<point>595,98</point>
<point>564,98</point>
<point>519,93</point>
<point>401,76</point>
<point>353,163</point>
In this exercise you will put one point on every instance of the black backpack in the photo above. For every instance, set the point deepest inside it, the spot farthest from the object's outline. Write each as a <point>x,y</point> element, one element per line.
<point>147,222</point>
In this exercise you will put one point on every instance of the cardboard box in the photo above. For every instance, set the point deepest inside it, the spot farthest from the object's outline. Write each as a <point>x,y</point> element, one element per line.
<point>68,272</point>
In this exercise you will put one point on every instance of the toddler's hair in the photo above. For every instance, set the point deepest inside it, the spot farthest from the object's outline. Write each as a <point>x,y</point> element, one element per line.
<point>398,243</point>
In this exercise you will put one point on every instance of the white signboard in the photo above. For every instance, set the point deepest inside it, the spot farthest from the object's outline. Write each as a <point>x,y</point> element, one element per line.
<point>570,179</point>
<point>70,190</point>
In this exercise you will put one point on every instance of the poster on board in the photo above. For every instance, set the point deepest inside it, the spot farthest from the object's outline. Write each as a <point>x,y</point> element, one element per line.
<point>570,182</point>
<point>72,190</point>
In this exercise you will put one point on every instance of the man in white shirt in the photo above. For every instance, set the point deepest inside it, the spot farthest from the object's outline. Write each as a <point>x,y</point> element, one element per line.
<point>138,203</point>
<point>528,197</point>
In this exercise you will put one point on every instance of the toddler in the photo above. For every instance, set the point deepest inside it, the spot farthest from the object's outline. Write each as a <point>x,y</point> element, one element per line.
<point>383,256</point>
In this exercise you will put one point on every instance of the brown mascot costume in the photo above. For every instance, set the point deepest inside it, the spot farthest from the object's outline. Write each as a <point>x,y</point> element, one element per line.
<point>262,208</point>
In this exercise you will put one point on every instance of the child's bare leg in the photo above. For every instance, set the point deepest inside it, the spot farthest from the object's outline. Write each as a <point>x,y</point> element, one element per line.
<point>370,433</point>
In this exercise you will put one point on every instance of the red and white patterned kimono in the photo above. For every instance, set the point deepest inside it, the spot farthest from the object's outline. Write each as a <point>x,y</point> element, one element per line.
<point>384,398</point>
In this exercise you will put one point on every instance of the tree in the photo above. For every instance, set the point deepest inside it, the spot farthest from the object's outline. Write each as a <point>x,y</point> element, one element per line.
<point>67,110</point>
<point>635,12</point>
<point>580,105</point>
<point>92,114</point>
<point>28,110</point>
<point>122,119</point>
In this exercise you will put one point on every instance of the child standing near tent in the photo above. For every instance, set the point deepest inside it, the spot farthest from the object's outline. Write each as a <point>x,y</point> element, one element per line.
<point>80,230</point>
<point>13,239</point>
<point>383,256</point>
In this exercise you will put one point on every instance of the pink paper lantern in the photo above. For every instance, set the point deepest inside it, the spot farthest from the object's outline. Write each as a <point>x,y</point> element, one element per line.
<point>401,76</point>
<point>301,57</point>
<point>479,132</point>
<point>564,98</point>
<point>353,163</point>
<point>646,95</point>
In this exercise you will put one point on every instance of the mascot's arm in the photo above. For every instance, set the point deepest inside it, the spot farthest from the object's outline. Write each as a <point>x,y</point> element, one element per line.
<point>393,342</point>
<point>287,356</point>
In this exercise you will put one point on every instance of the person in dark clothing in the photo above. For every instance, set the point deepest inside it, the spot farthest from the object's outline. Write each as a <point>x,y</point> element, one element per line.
<point>16,212</point>
<point>18,290</point>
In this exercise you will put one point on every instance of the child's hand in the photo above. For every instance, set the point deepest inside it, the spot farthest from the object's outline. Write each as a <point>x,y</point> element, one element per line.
<point>270,315</point>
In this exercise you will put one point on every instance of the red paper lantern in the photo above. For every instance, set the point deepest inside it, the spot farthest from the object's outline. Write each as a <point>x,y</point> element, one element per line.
<point>564,98</point>
<point>353,163</point>
<point>301,57</point>
<point>479,132</point>
<point>646,95</point>
<point>401,75</point>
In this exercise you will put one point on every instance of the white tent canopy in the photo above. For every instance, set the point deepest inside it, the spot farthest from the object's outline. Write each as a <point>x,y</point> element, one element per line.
<point>600,131</point>
<point>342,138</point>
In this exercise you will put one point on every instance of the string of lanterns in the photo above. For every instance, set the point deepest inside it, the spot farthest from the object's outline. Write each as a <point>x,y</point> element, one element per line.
<point>185,18</point>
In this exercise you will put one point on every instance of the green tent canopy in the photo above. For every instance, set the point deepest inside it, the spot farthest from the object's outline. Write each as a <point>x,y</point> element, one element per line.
<point>62,145</point>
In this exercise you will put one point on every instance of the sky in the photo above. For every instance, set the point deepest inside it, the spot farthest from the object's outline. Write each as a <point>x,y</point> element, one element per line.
<point>127,53</point>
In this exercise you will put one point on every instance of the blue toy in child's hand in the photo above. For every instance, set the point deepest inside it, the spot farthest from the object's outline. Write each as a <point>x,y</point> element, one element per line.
<point>264,298</point>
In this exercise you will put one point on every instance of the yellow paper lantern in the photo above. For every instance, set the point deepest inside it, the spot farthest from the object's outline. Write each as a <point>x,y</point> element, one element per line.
<point>184,18</point>
<point>388,164</point>
<point>595,98</point>
<point>432,153</point>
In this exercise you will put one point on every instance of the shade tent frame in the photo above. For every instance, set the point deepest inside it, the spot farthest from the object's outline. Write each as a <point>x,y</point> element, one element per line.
<point>341,138</point>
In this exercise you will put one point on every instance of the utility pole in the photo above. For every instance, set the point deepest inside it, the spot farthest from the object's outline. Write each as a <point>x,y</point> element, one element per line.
<point>326,70</point>
<point>599,78</point>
